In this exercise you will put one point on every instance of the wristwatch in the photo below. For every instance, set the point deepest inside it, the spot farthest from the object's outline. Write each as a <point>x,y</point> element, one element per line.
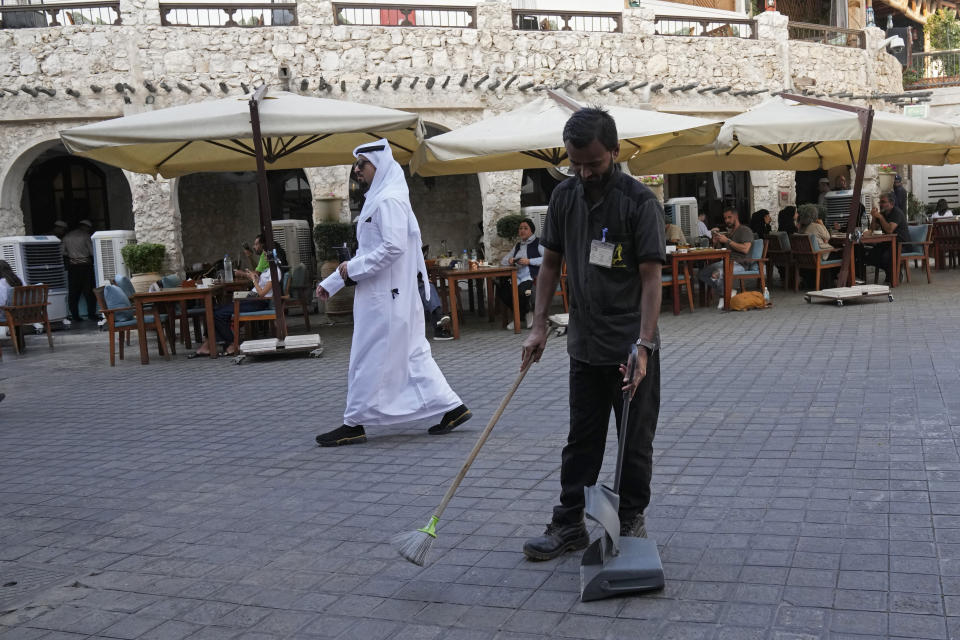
<point>648,345</point>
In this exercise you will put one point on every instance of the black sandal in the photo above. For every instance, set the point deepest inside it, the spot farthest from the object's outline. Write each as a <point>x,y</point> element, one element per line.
<point>191,356</point>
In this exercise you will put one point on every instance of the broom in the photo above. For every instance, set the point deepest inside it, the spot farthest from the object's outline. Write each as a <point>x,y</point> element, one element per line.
<point>414,545</point>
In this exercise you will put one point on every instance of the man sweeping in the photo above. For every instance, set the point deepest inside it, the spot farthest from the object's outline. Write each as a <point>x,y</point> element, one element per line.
<point>610,230</point>
<point>392,378</point>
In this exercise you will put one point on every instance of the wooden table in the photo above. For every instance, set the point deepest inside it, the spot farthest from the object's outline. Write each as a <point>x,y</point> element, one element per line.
<point>701,255</point>
<point>167,298</point>
<point>489,274</point>
<point>874,238</point>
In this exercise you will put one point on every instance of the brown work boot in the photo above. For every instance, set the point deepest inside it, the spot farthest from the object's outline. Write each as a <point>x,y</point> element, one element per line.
<point>557,540</point>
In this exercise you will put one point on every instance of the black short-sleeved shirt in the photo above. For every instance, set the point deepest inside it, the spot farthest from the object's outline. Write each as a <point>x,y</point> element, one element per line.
<point>605,302</point>
<point>903,228</point>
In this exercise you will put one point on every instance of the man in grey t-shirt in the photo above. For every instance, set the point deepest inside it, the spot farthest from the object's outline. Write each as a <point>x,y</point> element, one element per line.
<point>739,239</point>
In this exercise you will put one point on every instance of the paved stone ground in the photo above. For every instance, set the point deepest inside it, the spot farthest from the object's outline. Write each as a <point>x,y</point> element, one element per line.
<point>807,485</point>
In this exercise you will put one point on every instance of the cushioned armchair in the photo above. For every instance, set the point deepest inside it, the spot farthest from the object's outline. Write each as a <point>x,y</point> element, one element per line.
<point>758,272</point>
<point>27,305</point>
<point>778,255</point>
<point>268,313</point>
<point>120,316</point>
<point>807,254</point>
<point>666,280</point>
<point>919,249</point>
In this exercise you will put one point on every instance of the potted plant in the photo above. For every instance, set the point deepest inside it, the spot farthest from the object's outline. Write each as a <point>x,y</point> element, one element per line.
<point>329,237</point>
<point>145,261</point>
<point>508,227</point>
<point>655,182</point>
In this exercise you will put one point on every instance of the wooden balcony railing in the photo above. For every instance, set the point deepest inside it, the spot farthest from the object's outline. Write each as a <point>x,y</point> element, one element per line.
<point>541,20</point>
<point>705,27</point>
<point>823,34</point>
<point>38,14</point>
<point>395,15</point>
<point>245,14</point>
<point>933,69</point>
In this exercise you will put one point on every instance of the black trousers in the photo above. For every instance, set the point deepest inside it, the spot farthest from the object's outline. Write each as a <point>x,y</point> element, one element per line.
<point>80,282</point>
<point>524,295</point>
<point>594,390</point>
<point>223,317</point>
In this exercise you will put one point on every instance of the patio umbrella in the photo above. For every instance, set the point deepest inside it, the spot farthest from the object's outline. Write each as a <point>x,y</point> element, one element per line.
<point>785,134</point>
<point>297,131</point>
<point>532,137</point>
<point>275,128</point>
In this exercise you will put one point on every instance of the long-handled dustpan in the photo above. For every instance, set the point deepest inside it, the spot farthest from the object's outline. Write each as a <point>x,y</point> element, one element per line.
<point>613,565</point>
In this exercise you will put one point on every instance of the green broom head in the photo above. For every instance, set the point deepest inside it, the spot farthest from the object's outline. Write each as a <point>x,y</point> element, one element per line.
<point>414,545</point>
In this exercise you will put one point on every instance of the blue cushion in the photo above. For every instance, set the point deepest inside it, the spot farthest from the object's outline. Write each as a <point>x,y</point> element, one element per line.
<point>261,312</point>
<point>911,254</point>
<point>784,240</point>
<point>918,233</point>
<point>826,262</point>
<point>147,320</point>
<point>748,272</point>
<point>115,298</point>
<point>124,283</point>
<point>170,282</point>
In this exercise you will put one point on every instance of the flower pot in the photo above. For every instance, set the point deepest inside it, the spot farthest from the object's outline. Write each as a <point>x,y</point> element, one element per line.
<point>657,191</point>
<point>142,281</point>
<point>886,182</point>
<point>341,304</point>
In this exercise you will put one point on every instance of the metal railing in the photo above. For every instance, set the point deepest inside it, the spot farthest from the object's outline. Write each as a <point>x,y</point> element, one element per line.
<point>540,20</point>
<point>933,69</point>
<point>276,14</point>
<point>39,14</point>
<point>395,15</point>
<point>705,27</point>
<point>823,34</point>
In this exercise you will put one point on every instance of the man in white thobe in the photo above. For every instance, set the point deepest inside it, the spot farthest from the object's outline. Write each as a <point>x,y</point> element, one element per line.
<point>393,377</point>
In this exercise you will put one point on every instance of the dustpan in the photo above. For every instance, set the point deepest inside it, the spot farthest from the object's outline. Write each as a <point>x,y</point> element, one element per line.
<point>613,565</point>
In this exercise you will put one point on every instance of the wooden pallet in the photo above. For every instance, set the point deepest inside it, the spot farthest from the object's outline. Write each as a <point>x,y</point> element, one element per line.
<point>840,295</point>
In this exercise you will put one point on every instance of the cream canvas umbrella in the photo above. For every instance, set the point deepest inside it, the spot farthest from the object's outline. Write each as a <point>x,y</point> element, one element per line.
<point>788,135</point>
<point>296,131</point>
<point>275,128</point>
<point>532,137</point>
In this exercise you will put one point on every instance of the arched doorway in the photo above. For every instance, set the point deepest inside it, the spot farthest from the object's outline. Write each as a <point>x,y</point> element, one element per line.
<point>59,186</point>
<point>220,212</point>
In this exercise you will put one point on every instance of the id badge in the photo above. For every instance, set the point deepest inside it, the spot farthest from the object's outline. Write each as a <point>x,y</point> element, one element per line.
<point>601,253</point>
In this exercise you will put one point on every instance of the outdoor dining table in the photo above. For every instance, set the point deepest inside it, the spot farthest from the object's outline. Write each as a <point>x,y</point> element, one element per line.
<point>169,297</point>
<point>874,238</point>
<point>701,255</point>
<point>490,274</point>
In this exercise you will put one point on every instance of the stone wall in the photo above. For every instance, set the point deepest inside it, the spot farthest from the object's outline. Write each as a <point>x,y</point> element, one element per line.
<point>345,56</point>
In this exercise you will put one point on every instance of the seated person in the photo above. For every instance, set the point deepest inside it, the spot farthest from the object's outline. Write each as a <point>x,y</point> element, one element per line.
<point>260,254</point>
<point>760,223</point>
<point>8,280</point>
<point>887,219</point>
<point>223,314</point>
<point>809,223</point>
<point>943,211</point>
<point>432,311</point>
<point>739,239</point>
<point>674,234</point>
<point>527,257</point>
<point>702,230</point>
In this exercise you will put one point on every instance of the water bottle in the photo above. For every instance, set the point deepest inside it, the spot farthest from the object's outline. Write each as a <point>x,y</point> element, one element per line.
<point>464,263</point>
<point>443,249</point>
<point>870,16</point>
<point>473,255</point>
<point>227,268</point>
<point>766,295</point>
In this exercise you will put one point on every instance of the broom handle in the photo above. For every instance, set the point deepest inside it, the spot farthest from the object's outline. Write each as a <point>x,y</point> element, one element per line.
<point>482,439</point>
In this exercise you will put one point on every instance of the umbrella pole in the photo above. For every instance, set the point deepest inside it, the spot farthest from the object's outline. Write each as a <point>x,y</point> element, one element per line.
<point>865,115</point>
<point>266,216</point>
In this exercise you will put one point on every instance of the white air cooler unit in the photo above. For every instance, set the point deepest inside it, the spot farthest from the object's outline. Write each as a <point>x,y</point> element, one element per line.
<point>107,259</point>
<point>539,216</point>
<point>294,237</point>
<point>838,207</point>
<point>683,212</point>
<point>39,260</point>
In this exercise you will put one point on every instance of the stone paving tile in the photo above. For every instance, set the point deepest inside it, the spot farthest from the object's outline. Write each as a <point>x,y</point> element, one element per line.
<point>815,496</point>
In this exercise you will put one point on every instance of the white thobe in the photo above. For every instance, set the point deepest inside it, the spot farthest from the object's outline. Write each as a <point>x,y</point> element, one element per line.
<point>393,377</point>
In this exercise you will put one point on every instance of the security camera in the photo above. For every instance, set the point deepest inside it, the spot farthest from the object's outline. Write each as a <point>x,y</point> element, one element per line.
<point>893,44</point>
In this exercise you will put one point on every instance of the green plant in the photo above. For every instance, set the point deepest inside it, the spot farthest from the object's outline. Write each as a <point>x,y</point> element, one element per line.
<point>145,257</point>
<point>910,76</point>
<point>887,168</point>
<point>329,236</point>
<point>943,30</point>
<point>508,226</point>
<point>652,181</point>
<point>916,210</point>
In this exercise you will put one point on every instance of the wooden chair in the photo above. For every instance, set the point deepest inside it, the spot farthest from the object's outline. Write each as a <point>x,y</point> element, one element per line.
<point>946,243</point>
<point>805,257</point>
<point>120,319</point>
<point>28,305</point>
<point>758,253</point>
<point>268,313</point>
<point>920,249</point>
<point>778,255</point>
<point>562,291</point>
<point>666,281</point>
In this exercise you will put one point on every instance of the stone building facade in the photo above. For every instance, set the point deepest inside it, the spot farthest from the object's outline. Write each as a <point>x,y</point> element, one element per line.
<point>106,68</point>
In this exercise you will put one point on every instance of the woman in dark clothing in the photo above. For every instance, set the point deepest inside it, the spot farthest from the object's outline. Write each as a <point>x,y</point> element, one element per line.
<point>760,223</point>
<point>787,220</point>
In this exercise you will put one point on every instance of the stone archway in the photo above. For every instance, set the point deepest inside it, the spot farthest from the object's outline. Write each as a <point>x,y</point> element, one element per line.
<point>45,183</point>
